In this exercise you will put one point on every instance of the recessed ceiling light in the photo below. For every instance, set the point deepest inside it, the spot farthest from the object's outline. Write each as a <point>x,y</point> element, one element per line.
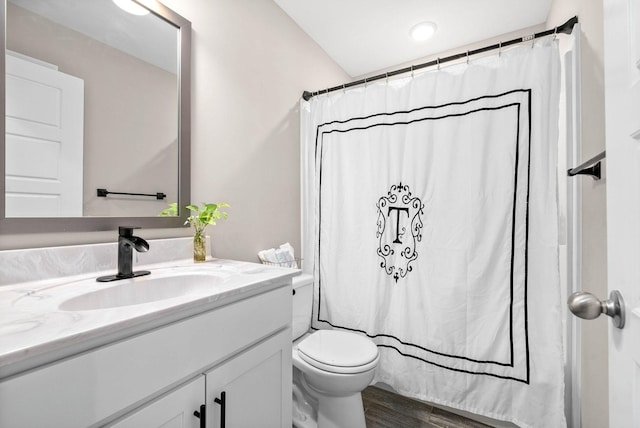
<point>131,7</point>
<point>422,31</point>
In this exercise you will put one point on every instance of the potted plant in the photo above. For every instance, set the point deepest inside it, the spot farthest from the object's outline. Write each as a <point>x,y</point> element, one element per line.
<point>200,218</point>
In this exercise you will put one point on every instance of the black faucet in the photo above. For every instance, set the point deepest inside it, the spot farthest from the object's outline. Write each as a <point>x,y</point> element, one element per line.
<point>126,243</point>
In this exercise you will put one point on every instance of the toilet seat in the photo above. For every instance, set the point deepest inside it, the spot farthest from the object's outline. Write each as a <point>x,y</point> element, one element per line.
<point>338,352</point>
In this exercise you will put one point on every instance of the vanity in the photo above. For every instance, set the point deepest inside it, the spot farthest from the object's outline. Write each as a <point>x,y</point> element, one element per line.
<point>190,345</point>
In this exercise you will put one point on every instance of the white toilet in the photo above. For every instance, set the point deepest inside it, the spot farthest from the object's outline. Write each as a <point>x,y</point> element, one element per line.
<point>330,368</point>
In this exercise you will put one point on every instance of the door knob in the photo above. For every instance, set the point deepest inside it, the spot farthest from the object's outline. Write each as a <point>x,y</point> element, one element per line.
<point>586,305</point>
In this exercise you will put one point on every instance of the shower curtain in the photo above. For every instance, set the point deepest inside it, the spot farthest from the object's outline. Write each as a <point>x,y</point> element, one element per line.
<point>436,230</point>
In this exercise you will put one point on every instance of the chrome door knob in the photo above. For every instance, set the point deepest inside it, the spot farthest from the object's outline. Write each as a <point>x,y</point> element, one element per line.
<point>586,305</point>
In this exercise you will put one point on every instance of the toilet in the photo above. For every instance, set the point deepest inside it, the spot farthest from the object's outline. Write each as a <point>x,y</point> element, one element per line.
<point>330,368</point>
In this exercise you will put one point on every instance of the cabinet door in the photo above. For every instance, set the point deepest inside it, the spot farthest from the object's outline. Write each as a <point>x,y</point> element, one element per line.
<point>253,389</point>
<point>173,410</point>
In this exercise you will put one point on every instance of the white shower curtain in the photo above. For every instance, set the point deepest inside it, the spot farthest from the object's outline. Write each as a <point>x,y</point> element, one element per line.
<point>435,230</point>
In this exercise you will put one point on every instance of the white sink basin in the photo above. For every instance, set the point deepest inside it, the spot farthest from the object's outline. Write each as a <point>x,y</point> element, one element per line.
<point>145,289</point>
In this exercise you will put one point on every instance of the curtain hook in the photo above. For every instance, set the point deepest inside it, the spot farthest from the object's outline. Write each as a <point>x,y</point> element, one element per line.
<point>412,75</point>
<point>438,63</point>
<point>555,33</point>
<point>344,90</point>
<point>386,76</point>
<point>365,83</point>
<point>533,40</point>
<point>467,57</point>
<point>499,49</point>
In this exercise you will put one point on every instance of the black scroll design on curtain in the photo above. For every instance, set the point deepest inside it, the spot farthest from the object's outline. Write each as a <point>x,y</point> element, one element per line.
<point>396,250</point>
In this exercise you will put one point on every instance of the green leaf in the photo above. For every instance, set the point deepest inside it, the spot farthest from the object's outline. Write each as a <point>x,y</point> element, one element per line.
<point>200,217</point>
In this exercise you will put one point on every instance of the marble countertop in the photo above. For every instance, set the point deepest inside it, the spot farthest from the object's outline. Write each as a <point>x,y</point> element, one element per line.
<point>35,328</point>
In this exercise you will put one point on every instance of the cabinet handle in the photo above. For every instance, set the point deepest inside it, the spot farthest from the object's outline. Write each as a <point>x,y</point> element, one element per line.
<point>222,401</point>
<point>202,415</point>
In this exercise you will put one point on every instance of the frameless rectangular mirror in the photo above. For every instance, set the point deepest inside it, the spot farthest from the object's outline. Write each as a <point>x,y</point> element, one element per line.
<point>96,115</point>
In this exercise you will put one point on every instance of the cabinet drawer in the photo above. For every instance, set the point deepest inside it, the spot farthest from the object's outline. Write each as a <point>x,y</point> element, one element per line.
<point>107,382</point>
<point>174,410</point>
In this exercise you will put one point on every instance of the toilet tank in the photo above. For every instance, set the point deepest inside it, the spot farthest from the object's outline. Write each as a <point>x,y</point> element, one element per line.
<point>302,301</point>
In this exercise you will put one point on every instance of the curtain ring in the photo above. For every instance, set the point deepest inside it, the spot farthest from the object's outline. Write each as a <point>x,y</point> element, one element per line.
<point>344,90</point>
<point>533,40</point>
<point>386,76</point>
<point>555,33</point>
<point>438,63</point>
<point>412,75</point>
<point>499,49</point>
<point>365,83</point>
<point>467,57</point>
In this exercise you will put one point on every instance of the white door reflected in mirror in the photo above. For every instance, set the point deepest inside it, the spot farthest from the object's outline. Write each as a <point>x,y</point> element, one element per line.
<point>44,140</point>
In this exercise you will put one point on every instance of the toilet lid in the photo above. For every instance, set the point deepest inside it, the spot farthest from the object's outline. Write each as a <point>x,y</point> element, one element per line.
<point>336,351</point>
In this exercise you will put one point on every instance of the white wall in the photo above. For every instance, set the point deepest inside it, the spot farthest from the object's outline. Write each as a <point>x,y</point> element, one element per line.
<point>594,379</point>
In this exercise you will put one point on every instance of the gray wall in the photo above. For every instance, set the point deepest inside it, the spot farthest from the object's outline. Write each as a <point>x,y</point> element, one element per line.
<point>250,64</point>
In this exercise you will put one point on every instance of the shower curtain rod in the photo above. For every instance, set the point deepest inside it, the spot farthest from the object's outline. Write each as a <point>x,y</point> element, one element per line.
<point>565,28</point>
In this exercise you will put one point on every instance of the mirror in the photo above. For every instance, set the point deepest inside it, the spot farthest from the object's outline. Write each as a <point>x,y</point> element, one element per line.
<point>96,115</point>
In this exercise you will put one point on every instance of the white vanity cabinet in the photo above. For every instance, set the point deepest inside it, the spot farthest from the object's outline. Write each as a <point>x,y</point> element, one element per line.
<point>245,392</point>
<point>161,376</point>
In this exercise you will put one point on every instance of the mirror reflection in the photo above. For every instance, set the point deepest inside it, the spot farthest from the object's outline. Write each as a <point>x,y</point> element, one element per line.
<point>91,103</point>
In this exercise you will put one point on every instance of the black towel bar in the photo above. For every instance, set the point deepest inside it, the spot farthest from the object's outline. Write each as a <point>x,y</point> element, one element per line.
<point>590,167</point>
<point>104,192</point>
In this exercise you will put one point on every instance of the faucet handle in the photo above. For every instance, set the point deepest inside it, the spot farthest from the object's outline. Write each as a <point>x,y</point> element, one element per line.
<point>126,231</point>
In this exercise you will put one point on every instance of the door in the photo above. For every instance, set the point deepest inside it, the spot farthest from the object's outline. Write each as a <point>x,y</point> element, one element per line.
<point>622,103</point>
<point>253,389</point>
<point>44,140</point>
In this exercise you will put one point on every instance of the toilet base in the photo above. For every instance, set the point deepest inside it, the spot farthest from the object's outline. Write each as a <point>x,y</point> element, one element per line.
<point>304,414</point>
<point>340,412</point>
<point>312,409</point>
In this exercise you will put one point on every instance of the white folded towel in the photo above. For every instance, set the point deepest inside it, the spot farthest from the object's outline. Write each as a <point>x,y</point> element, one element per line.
<point>283,256</point>
<point>268,256</point>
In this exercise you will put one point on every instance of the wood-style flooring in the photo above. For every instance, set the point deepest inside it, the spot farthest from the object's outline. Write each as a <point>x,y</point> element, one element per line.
<point>384,409</point>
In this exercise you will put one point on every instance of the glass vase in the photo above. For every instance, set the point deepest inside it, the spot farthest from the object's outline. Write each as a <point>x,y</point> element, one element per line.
<point>199,248</point>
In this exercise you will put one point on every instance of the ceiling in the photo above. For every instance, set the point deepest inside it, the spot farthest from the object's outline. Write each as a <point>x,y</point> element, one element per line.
<point>364,36</point>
